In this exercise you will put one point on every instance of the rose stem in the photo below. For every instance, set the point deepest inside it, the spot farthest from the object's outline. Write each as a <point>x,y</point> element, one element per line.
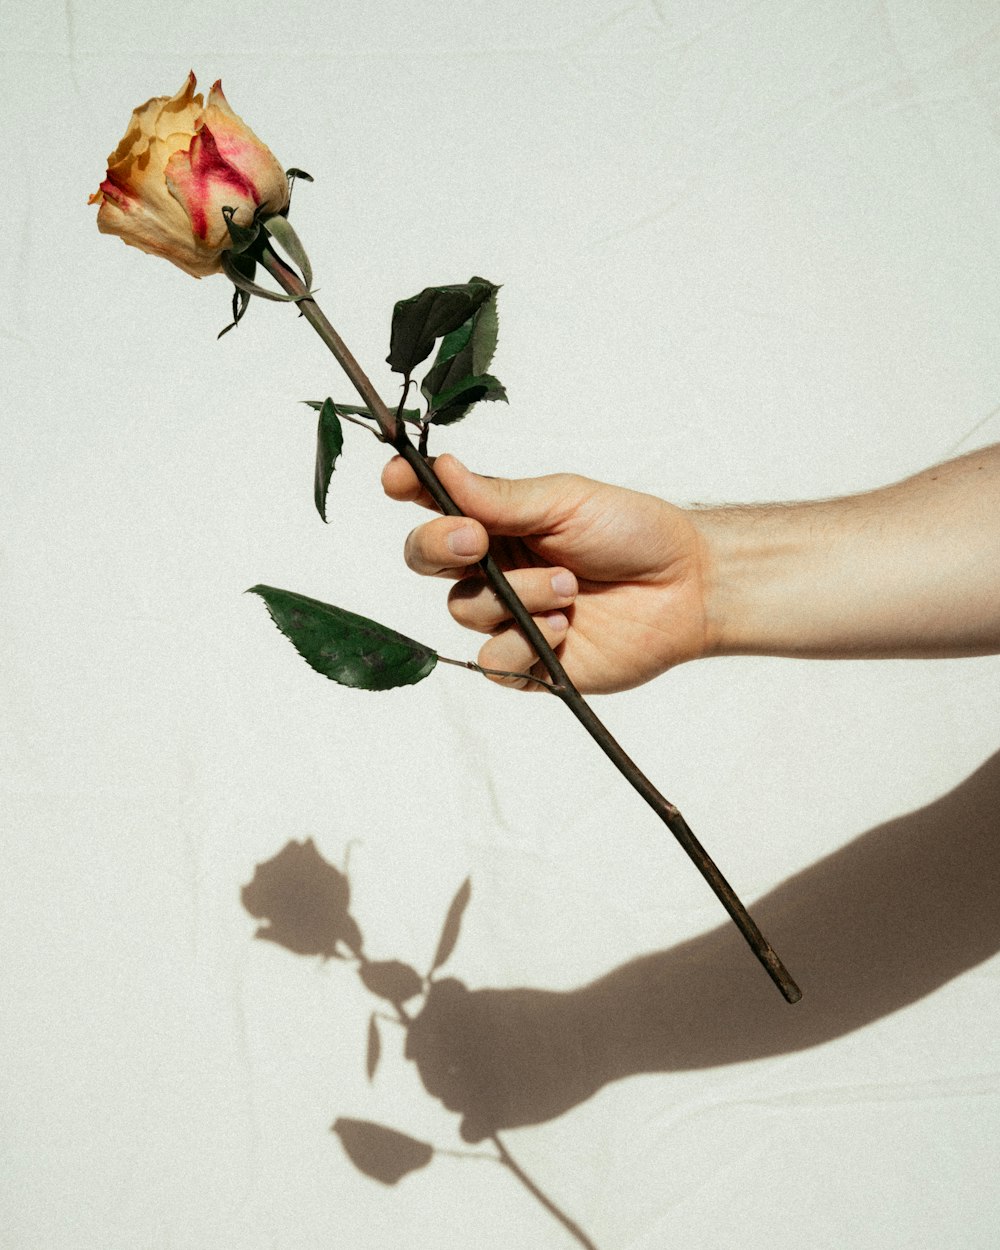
<point>395,433</point>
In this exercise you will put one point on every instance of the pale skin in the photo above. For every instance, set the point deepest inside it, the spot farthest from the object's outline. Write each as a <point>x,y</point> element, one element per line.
<point>625,585</point>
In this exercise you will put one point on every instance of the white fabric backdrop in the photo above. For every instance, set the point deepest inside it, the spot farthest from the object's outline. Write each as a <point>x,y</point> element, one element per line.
<point>748,252</point>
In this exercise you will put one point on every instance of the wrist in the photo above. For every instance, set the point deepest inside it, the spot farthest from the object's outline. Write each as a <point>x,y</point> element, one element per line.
<point>755,560</point>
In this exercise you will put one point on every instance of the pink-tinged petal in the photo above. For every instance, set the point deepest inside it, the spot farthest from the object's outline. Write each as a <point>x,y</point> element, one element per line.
<point>240,147</point>
<point>203,183</point>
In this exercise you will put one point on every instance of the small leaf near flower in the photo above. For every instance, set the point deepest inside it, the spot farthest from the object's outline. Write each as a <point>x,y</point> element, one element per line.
<point>452,925</point>
<point>436,311</point>
<point>329,445</point>
<point>391,979</point>
<point>345,647</point>
<point>381,1153</point>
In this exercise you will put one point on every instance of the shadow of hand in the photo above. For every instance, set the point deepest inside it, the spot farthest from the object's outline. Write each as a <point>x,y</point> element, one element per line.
<point>503,1058</point>
<point>869,929</point>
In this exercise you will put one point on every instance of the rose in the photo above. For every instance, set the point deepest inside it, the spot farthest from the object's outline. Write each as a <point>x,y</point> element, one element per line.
<point>179,164</point>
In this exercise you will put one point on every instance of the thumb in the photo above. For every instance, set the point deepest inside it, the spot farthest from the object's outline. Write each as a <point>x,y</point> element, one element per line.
<point>508,506</point>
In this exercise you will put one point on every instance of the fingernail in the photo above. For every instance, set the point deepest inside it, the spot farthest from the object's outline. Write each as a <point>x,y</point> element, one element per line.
<point>557,621</point>
<point>463,542</point>
<point>564,584</point>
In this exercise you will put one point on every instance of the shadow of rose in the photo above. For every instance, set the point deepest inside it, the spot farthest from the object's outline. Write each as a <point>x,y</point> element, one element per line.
<point>877,925</point>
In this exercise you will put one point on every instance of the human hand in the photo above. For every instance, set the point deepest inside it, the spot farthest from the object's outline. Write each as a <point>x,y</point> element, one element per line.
<point>613,578</point>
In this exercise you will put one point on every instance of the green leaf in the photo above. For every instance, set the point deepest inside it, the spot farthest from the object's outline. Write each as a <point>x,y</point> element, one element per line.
<point>381,1153</point>
<point>329,445</point>
<point>486,333</point>
<point>453,404</point>
<point>463,357</point>
<point>392,980</point>
<point>476,338</point>
<point>242,236</point>
<point>347,648</point>
<point>452,925</point>
<point>374,1049</point>
<point>437,310</point>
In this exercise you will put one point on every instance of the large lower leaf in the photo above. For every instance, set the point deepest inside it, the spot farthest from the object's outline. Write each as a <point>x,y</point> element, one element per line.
<point>345,647</point>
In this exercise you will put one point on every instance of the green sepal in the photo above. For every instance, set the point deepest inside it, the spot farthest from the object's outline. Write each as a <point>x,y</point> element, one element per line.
<point>436,311</point>
<point>345,647</point>
<point>451,405</point>
<point>242,236</point>
<point>299,173</point>
<point>239,279</point>
<point>281,228</point>
<point>247,267</point>
<point>329,445</point>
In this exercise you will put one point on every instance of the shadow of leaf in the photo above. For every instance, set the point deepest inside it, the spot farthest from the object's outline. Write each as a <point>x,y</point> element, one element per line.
<point>391,979</point>
<point>452,926</point>
<point>381,1153</point>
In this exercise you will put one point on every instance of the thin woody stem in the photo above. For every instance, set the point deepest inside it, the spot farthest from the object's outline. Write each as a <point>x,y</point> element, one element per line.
<point>395,433</point>
<point>498,672</point>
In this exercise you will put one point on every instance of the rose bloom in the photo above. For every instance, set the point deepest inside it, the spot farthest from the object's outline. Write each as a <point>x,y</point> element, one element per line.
<point>180,163</point>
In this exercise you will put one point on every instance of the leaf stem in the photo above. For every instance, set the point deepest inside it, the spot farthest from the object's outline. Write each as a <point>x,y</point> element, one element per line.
<point>395,433</point>
<point>499,672</point>
<point>346,416</point>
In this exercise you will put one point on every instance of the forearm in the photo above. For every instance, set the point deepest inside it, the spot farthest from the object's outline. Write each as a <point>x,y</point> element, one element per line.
<point>912,570</point>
